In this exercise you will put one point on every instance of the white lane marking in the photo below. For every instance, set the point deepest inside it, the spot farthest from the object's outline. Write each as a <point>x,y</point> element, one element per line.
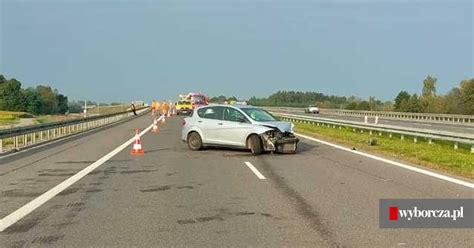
<point>408,167</point>
<point>42,199</point>
<point>254,170</point>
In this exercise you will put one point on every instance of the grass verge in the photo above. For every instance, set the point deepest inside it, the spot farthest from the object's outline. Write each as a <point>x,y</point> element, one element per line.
<point>439,156</point>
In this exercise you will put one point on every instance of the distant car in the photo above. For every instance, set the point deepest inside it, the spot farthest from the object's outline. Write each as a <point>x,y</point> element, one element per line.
<point>238,126</point>
<point>183,107</point>
<point>311,110</point>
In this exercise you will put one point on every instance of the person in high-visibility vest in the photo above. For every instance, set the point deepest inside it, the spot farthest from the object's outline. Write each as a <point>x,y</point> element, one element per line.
<point>153,107</point>
<point>157,107</point>
<point>171,107</point>
<point>164,108</point>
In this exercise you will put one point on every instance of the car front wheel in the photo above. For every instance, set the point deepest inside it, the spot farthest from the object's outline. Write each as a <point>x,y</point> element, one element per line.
<point>255,144</point>
<point>194,141</point>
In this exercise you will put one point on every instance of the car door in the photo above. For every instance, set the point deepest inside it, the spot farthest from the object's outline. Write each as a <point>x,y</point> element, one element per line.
<point>209,117</point>
<point>234,128</point>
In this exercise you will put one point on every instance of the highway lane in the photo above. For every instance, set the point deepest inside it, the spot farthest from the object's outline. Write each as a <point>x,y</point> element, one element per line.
<point>175,197</point>
<point>437,126</point>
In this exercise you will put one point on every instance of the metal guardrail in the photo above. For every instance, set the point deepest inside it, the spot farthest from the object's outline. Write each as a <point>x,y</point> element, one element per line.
<point>443,118</point>
<point>15,139</point>
<point>415,133</point>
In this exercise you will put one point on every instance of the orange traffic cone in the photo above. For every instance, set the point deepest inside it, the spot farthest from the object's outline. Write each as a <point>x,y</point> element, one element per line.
<point>155,128</point>
<point>137,145</point>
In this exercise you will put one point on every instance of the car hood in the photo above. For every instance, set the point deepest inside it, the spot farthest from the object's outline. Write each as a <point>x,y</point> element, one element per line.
<point>283,126</point>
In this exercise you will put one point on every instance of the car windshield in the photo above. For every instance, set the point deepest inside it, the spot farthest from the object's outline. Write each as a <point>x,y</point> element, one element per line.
<point>258,114</point>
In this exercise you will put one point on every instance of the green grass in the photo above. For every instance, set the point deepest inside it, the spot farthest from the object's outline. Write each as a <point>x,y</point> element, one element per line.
<point>439,156</point>
<point>8,118</point>
<point>103,110</point>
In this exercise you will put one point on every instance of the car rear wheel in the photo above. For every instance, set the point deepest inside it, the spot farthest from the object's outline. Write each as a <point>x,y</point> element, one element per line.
<point>255,145</point>
<point>194,141</point>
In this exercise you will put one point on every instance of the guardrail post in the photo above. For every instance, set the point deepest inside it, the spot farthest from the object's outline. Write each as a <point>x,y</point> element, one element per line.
<point>456,145</point>
<point>430,141</point>
<point>415,140</point>
<point>402,137</point>
<point>370,132</point>
<point>380,133</point>
<point>390,135</point>
<point>472,148</point>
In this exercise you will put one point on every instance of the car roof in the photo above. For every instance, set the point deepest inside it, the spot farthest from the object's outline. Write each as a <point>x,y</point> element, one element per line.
<point>227,105</point>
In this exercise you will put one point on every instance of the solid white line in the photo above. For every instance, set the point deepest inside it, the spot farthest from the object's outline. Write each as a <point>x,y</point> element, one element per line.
<point>42,199</point>
<point>408,167</point>
<point>254,170</point>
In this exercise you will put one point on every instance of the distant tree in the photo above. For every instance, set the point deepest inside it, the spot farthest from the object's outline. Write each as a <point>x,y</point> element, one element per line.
<point>428,94</point>
<point>429,86</point>
<point>401,101</point>
<point>33,100</point>
<point>454,102</point>
<point>467,95</point>
<point>75,107</point>
<point>351,106</point>
<point>372,103</point>
<point>413,104</point>
<point>48,99</point>
<point>62,106</point>
<point>364,105</point>
<point>11,95</point>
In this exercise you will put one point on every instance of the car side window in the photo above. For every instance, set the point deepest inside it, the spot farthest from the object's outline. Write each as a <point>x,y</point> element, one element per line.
<point>231,114</point>
<point>214,113</point>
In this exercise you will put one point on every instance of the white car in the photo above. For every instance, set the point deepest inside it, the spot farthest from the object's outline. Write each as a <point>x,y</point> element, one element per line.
<point>238,126</point>
<point>312,109</point>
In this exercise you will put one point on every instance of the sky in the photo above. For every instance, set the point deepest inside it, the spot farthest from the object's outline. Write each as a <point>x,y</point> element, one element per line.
<point>116,50</point>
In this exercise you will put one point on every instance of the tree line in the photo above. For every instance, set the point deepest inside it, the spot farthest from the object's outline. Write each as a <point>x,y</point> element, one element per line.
<point>222,99</point>
<point>303,99</point>
<point>460,100</point>
<point>41,100</point>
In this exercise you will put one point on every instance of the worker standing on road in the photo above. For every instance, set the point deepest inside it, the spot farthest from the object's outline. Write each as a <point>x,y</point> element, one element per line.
<point>134,110</point>
<point>153,107</point>
<point>171,107</point>
<point>157,107</point>
<point>165,108</point>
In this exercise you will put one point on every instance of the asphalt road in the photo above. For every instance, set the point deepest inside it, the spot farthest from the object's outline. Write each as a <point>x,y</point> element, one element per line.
<point>462,128</point>
<point>173,197</point>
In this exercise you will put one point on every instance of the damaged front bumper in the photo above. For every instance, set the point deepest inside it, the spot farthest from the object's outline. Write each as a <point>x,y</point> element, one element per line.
<point>275,141</point>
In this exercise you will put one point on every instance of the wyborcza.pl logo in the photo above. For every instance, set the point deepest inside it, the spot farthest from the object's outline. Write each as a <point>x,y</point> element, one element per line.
<point>426,213</point>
